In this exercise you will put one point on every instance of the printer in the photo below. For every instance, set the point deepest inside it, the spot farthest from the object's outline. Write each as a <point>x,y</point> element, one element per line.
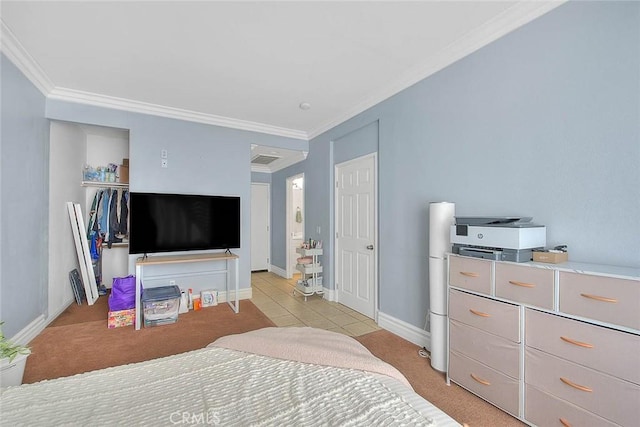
<point>502,238</point>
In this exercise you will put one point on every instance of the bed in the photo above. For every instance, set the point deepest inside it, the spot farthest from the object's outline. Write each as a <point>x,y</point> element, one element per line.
<point>268,377</point>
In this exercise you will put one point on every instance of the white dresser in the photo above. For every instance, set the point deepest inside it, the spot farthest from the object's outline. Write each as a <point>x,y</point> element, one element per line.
<point>551,344</point>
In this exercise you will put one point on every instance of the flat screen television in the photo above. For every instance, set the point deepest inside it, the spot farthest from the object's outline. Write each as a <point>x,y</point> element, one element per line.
<point>182,222</point>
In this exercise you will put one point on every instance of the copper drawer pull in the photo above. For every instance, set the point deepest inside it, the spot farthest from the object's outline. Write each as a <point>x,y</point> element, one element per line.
<point>480,380</point>
<point>578,343</point>
<point>564,422</point>
<point>469,274</point>
<point>479,313</point>
<point>599,298</point>
<point>524,285</point>
<point>574,385</point>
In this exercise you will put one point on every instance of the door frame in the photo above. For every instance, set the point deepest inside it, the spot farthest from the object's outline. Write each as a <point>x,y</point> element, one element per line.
<point>375,226</point>
<point>268,209</point>
<point>289,219</point>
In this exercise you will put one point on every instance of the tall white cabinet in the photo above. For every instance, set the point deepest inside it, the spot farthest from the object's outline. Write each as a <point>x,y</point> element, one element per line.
<point>549,344</point>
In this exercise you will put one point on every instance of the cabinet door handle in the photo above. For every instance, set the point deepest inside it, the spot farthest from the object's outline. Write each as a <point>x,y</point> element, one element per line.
<point>480,380</point>
<point>578,343</point>
<point>599,298</point>
<point>524,285</point>
<point>564,422</point>
<point>479,313</point>
<point>469,274</point>
<point>574,385</point>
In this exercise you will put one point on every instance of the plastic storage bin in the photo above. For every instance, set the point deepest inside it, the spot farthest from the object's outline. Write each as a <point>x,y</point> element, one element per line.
<point>160,305</point>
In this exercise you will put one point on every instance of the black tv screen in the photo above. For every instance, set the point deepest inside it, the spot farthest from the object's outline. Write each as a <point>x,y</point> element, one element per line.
<point>181,222</point>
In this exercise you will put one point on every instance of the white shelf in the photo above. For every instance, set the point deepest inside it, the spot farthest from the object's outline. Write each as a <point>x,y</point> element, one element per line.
<point>309,268</point>
<point>309,252</point>
<point>103,184</point>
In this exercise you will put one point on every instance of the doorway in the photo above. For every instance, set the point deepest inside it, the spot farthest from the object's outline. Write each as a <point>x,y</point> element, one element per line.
<point>356,225</point>
<point>295,220</point>
<point>260,231</point>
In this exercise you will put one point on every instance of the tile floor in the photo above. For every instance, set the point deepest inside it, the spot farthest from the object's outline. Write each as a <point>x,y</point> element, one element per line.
<point>273,295</point>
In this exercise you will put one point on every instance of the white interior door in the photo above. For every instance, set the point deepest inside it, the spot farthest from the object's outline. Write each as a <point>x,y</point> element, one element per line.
<point>356,234</point>
<point>260,241</point>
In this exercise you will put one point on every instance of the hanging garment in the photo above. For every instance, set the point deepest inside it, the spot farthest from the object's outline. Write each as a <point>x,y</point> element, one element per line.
<point>109,215</point>
<point>124,214</point>
<point>95,254</point>
<point>93,226</point>
<point>103,214</point>
<point>114,223</point>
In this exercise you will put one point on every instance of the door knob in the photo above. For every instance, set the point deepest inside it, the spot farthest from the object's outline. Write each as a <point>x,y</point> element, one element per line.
<point>370,247</point>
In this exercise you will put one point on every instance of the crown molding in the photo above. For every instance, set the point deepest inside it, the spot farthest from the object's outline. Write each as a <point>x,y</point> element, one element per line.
<point>509,20</point>
<point>89,98</point>
<point>14,50</point>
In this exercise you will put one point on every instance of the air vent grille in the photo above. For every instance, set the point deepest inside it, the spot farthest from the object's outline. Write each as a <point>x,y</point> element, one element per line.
<point>263,160</point>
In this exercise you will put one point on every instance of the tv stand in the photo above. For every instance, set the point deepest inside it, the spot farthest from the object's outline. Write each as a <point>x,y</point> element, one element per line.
<point>227,257</point>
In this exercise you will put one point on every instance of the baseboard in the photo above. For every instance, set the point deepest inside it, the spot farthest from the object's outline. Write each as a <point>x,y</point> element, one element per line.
<point>244,293</point>
<point>280,272</point>
<point>54,316</point>
<point>30,331</point>
<point>329,294</point>
<point>405,330</point>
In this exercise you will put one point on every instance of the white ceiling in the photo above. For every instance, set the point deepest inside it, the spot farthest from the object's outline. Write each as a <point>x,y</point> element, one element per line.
<point>247,65</point>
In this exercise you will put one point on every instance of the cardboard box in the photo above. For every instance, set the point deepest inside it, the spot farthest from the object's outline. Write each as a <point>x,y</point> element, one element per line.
<point>551,257</point>
<point>125,162</point>
<point>123,174</point>
<point>121,318</point>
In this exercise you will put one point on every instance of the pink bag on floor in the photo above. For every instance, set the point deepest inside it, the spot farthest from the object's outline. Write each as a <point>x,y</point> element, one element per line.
<point>123,293</point>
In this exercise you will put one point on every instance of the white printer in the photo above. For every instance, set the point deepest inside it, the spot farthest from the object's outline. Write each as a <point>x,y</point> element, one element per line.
<point>500,238</point>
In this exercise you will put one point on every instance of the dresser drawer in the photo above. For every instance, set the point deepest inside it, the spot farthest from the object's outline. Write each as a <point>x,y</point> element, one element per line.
<point>472,274</point>
<point>491,385</point>
<point>603,349</point>
<point>496,317</point>
<point>602,298</point>
<point>494,351</point>
<point>602,394</point>
<point>528,285</point>
<point>544,410</point>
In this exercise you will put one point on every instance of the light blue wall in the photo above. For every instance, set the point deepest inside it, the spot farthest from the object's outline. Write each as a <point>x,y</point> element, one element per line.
<point>356,144</point>
<point>261,177</point>
<point>24,201</point>
<point>544,122</point>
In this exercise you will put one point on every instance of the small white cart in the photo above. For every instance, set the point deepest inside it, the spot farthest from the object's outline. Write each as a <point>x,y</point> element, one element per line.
<point>311,281</point>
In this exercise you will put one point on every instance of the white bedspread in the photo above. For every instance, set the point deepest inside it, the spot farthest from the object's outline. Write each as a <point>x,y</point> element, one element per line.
<point>219,386</point>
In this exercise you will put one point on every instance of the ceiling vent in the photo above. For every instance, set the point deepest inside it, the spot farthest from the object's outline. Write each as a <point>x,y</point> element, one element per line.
<point>263,160</point>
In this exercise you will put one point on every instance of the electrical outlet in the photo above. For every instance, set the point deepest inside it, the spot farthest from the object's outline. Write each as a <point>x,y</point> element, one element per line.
<point>318,229</point>
<point>164,163</point>
<point>172,282</point>
<point>164,154</point>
